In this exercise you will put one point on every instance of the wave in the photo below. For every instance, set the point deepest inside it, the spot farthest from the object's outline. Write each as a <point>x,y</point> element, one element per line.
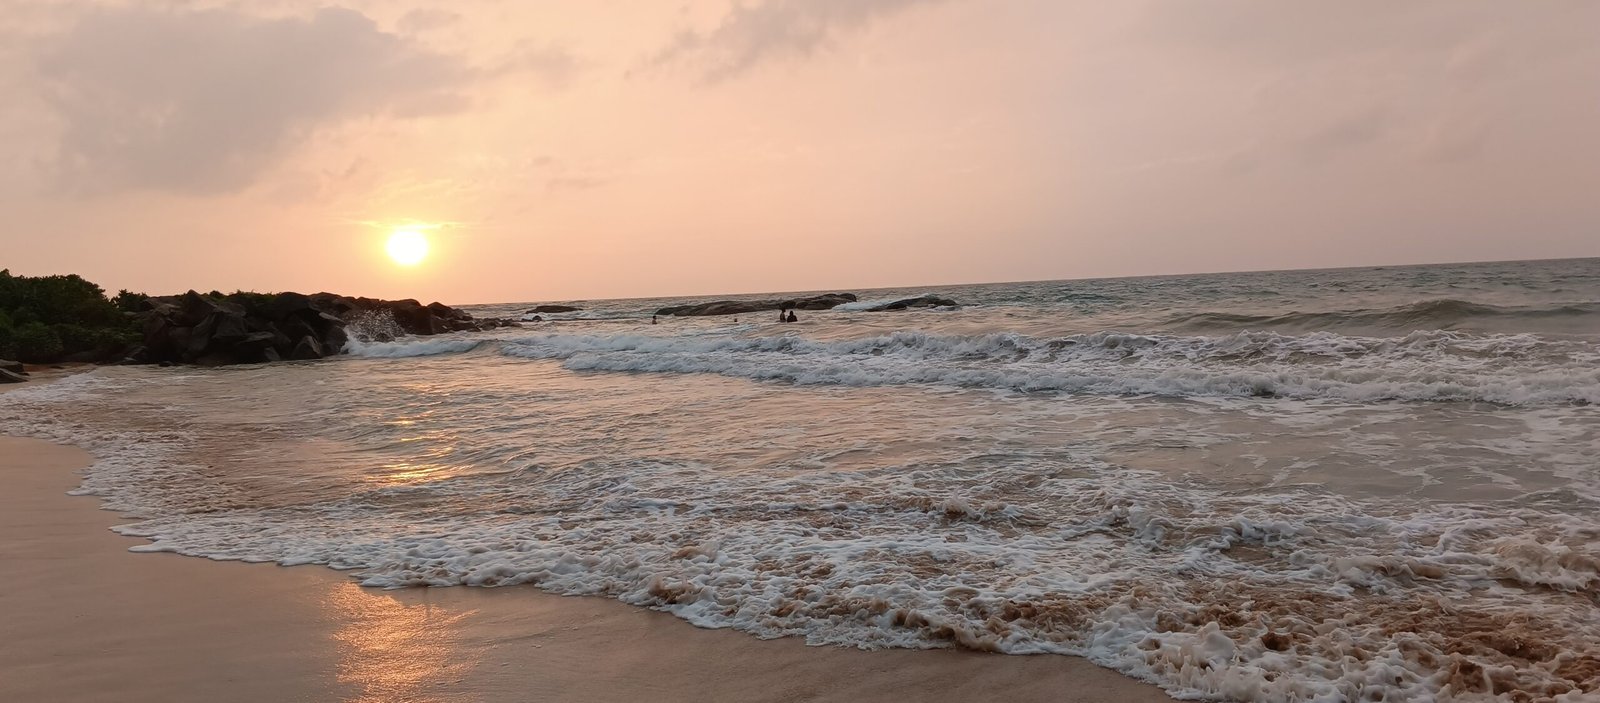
<point>1428,314</point>
<point>1288,595</point>
<point>1424,366</point>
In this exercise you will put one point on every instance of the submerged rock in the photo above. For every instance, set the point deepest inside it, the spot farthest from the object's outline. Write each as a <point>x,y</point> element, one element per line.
<point>734,307</point>
<point>9,376</point>
<point>923,301</point>
<point>12,366</point>
<point>548,309</point>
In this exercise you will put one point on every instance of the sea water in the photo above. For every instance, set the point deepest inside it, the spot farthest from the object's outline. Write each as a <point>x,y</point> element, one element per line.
<point>1357,484</point>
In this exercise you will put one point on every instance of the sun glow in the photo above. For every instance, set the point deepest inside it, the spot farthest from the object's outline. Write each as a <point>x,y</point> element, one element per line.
<point>407,246</point>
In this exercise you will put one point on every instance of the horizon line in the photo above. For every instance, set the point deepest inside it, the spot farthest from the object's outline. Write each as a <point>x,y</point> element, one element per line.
<point>853,289</point>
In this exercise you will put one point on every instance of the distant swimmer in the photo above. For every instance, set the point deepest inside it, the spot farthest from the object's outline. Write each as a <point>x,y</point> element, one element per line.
<point>792,318</point>
<point>783,314</point>
<point>652,319</point>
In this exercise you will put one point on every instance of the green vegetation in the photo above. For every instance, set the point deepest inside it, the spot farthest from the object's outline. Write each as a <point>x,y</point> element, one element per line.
<point>46,318</point>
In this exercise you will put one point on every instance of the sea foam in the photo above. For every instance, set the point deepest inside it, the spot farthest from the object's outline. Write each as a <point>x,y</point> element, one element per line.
<point>1294,594</point>
<point>1424,366</point>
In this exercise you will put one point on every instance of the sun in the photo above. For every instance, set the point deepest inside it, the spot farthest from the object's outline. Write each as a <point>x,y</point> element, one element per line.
<point>407,246</point>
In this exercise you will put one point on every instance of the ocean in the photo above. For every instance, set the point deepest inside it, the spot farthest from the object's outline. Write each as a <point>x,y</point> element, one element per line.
<point>1354,484</point>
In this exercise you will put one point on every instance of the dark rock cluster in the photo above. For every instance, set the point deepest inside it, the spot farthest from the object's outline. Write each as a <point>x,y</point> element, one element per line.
<point>733,307</point>
<point>826,301</point>
<point>924,301</point>
<point>550,309</point>
<point>253,328</point>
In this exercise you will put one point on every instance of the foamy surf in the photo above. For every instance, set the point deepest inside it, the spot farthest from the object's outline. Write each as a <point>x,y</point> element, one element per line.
<point>1424,366</point>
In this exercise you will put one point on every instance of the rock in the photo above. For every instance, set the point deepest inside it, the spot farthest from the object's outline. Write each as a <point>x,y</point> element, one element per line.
<point>12,366</point>
<point>333,339</point>
<point>735,307</point>
<point>307,348</point>
<point>136,355</point>
<point>925,301</point>
<point>446,312</point>
<point>194,307</point>
<point>9,376</point>
<point>256,348</point>
<point>194,328</point>
<point>84,357</point>
<point>285,305</point>
<point>550,309</point>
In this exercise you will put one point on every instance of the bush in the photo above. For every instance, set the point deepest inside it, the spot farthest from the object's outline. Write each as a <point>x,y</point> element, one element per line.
<point>251,301</point>
<point>74,338</point>
<point>46,317</point>
<point>36,344</point>
<point>128,301</point>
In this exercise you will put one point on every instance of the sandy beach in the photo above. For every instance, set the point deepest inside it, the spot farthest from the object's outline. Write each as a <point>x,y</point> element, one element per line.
<point>86,620</point>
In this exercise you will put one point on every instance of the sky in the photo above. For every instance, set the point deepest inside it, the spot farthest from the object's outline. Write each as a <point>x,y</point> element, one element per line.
<point>633,148</point>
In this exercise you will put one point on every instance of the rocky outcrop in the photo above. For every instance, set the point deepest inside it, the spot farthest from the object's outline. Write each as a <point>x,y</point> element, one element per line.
<point>12,366</point>
<point>549,309</point>
<point>254,328</point>
<point>9,376</point>
<point>734,307</point>
<point>924,301</point>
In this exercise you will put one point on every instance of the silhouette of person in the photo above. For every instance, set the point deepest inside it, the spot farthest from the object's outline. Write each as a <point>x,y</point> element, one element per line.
<point>792,318</point>
<point>783,314</point>
<point>652,319</point>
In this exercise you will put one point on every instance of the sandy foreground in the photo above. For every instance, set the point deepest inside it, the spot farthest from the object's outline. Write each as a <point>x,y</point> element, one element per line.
<point>83,619</point>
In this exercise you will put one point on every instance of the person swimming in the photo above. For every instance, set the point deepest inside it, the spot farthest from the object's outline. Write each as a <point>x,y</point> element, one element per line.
<point>792,318</point>
<point>783,314</point>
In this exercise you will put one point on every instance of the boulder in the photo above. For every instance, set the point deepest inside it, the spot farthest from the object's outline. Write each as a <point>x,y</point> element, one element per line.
<point>549,309</point>
<point>333,339</point>
<point>285,305</point>
<point>9,376</point>
<point>12,366</point>
<point>256,348</point>
<point>194,307</point>
<point>307,348</point>
<point>446,312</point>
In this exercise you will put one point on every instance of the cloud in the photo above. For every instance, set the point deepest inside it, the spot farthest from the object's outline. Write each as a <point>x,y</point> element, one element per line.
<point>202,102</point>
<point>752,33</point>
<point>424,19</point>
<point>1351,131</point>
<point>555,65</point>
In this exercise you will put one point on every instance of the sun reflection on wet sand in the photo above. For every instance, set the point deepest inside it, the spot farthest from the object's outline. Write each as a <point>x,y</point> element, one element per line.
<point>390,650</point>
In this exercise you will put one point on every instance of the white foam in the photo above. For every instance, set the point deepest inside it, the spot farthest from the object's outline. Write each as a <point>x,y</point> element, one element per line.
<point>1433,366</point>
<point>1289,595</point>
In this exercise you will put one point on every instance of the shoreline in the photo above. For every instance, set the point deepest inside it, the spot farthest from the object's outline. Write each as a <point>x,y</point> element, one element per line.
<point>90,621</point>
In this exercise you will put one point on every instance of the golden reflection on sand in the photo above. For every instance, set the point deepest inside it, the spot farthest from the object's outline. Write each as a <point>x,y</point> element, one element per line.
<point>390,650</point>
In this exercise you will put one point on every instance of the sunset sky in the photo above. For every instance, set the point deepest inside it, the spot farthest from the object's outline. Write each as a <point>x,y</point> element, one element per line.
<point>631,148</point>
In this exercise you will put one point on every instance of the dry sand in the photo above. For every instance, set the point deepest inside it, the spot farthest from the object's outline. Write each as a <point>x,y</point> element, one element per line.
<point>83,619</point>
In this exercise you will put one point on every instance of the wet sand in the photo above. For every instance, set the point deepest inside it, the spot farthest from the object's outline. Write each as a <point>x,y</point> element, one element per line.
<point>83,619</point>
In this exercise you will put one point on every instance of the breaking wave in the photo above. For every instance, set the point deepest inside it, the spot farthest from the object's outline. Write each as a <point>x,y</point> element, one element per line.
<point>1287,595</point>
<point>1424,366</point>
<point>1428,314</point>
